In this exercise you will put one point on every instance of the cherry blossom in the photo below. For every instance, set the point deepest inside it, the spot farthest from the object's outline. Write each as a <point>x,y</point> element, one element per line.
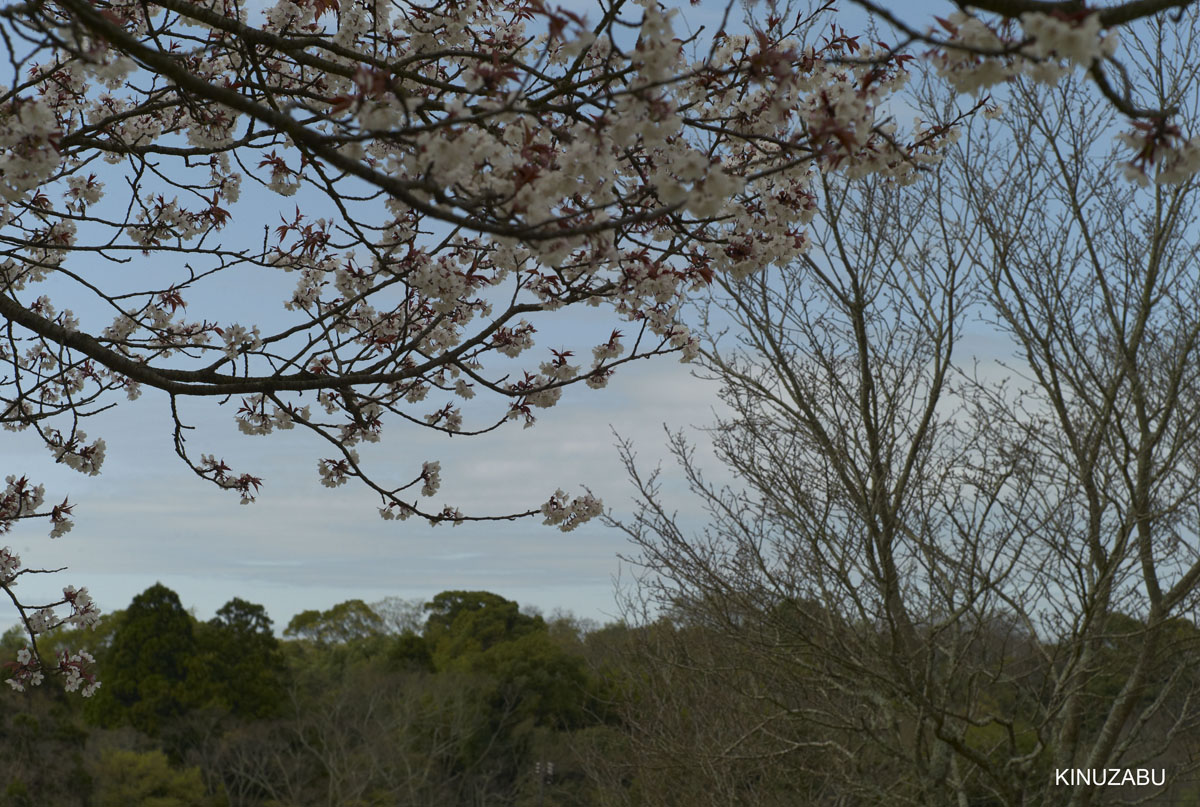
<point>20,501</point>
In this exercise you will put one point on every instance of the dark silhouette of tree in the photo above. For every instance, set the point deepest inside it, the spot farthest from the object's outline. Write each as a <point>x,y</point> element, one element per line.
<point>146,670</point>
<point>242,665</point>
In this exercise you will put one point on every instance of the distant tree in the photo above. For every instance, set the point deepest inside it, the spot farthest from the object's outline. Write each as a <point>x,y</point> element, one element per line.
<point>410,651</point>
<point>693,722</point>
<point>364,734</point>
<point>535,685</point>
<point>400,615</point>
<point>462,622</point>
<point>243,618</point>
<point>243,666</point>
<point>13,640</point>
<point>146,670</point>
<point>541,680</point>
<point>344,622</point>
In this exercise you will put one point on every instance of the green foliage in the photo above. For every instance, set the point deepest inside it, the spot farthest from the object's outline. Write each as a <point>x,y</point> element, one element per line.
<point>241,667</point>
<point>133,779</point>
<point>13,640</point>
<point>160,664</point>
<point>410,651</point>
<point>465,622</point>
<point>100,636</point>
<point>145,671</point>
<point>344,622</point>
<point>537,678</point>
<point>532,675</point>
<point>400,615</point>
<point>243,618</point>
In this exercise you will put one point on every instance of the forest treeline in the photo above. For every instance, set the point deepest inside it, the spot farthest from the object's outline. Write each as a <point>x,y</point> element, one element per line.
<point>466,699</point>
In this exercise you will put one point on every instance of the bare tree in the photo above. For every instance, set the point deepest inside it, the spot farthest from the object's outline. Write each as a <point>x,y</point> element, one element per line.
<point>975,574</point>
<point>693,731</point>
<point>1097,285</point>
<point>361,734</point>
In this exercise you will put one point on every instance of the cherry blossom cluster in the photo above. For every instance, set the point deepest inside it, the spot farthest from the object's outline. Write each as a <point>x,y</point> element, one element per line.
<point>75,669</point>
<point>10,562</point>
<point>981,54</point>
<point>978,54</point>
<point>23,500</point>
<point>20,499</point>
<point>431,476</point>
<point>76,673</point>
<point>43,619</point>
<point>1160,150</point>
<point>567,514</point>
<point>25,671</point>
<point>84,613</point>
<point>29,153</point>
<point>465,169</point>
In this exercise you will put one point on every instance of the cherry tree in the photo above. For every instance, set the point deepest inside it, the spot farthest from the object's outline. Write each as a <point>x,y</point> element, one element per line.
<point>449,175</point>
